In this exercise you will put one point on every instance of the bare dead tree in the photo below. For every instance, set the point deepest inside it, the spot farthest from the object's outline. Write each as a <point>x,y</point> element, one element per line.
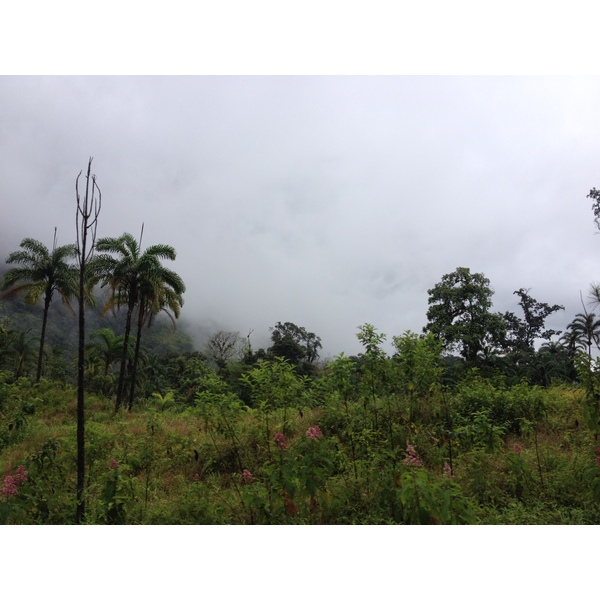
<point>86,221</point>
<point>223,346</point>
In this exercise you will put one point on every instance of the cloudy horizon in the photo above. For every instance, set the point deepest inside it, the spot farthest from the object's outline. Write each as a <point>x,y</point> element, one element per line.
<point>325,201</point>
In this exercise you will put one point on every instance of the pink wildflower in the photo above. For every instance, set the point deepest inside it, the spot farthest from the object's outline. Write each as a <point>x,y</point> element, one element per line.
<point>113,464</point>
<point>448,471</point>
<point>412,458</point>
<point>197,476</point>
<point>314,433</point>
<point>21,475</point>
<point>11,483</point>
<point>280,441</point>
<point>517,449</point>
<point>9,487</point>
<point>247,476</point>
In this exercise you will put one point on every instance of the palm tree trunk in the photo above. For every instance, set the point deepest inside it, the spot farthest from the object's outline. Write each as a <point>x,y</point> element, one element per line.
<point>47,300</point>
<point>121,386</point>
<point>136,356</point>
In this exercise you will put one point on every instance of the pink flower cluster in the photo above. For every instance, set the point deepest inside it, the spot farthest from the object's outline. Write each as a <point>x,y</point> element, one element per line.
<point>280,441</point>
<point>412,458</point>
<point>517,449</point>
<point>448,471</point>
<point>11,483</point>
<point>314,433</point>
<point>113,464</point>
<point>247,476</point>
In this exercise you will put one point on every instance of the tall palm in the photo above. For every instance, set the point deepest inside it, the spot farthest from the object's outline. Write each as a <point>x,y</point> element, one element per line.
<point>160,291</point>
<point>131,275</point>
<point>585,329</point>
<point>41,273</point>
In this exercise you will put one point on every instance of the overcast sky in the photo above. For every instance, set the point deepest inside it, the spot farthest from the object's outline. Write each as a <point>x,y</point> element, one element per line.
<point>325,201</point>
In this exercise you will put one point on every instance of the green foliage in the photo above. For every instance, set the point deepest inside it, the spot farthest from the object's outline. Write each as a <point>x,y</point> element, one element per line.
<point>427,500</point>
<point>17,405</point>
<point>183,374</point>
<point>500,406</point>
<point>197,450</point>
<point>521,478</point>
<point>342,376</point>
<point>44,500</point>
<point>41,273</point>
<point>138,281</point>
<point>274,384</point>
<point>522,333</point>
<point>373,380</point>
<point>112,500</point>
<point>589,374</point>
<point>481,433</point>
<point>295,344</point>
<point>417,370</point>
<point>459,314</point>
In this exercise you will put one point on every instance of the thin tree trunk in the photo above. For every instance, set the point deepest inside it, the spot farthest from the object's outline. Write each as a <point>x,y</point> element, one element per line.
<point>136,355</point>
<point>121,386</point>
<point>47,300</point>
<point>80,394</point>
<point>86,220</point>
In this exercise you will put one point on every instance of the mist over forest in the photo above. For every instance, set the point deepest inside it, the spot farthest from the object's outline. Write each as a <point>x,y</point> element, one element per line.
<point>323,201</point>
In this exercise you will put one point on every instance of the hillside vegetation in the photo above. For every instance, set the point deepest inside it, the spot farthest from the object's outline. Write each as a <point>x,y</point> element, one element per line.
<point>112,417</point>
<point>369,439</point>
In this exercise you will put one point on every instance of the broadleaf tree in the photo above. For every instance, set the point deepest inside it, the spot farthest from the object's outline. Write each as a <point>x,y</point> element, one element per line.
<point>521,333</point>
<point>296,344</point>
<point>460,314</point>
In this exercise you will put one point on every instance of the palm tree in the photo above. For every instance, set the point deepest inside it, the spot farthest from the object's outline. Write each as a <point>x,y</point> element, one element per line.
<point>136,280</point>
<point>594,295</point>
<point>22,351</point>
<point>154,367</point>
<point>161,291</point>
<point>572,342</point>
<point>553,361</point>
<point>41,273</point>
<point>107,350</point>
<point>584,330</point>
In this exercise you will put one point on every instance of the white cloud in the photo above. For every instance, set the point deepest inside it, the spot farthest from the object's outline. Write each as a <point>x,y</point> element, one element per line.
<point>324,201</point>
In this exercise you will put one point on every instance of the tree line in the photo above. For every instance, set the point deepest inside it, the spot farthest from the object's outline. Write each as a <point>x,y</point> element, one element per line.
<point>138,286</point>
